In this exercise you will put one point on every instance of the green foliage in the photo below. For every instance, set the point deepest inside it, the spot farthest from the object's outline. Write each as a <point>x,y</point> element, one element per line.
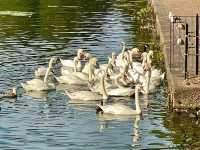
<point>145,19</point>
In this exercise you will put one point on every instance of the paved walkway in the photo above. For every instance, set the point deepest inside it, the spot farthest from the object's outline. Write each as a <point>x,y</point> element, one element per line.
<point>184,94</point>
<point>182,7</point>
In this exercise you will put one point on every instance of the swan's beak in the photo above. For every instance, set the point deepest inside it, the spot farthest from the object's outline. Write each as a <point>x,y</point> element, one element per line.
<point>53,71</point>
<point>107,76</point>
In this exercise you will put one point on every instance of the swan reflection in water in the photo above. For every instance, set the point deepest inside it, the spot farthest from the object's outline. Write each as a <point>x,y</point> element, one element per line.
<point>106,119</point>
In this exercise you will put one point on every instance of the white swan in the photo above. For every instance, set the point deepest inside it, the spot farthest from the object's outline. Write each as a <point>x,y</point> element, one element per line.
<point>126,56</point>
<point>122,58</point>
<point>40,72</point>
<point>38,84</point>
<point>117,88</point>
<point>88,95</point>
<point>110,66</point>
<point>74,63</point>
<point>120,109</point>
<point>120,92</point>
<point>79,78</point>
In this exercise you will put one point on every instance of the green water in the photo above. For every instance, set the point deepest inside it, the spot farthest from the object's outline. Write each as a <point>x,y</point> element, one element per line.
<point>39,29</point>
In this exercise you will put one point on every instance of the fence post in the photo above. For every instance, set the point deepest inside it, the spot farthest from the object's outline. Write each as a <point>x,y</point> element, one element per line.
<point>197,44</point>
<point>186,49</point>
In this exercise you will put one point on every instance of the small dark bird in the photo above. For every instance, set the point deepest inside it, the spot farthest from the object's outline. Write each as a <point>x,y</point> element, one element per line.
<point>9,94</point>
<point>145,47</point>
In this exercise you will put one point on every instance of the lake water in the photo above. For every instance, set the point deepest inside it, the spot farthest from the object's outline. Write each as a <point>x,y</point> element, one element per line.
<point>31,31</point>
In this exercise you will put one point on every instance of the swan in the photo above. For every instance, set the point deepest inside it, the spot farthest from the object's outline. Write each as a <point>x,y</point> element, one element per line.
<point>92,61</point>
<point>41,71</point>
<point>121,92</point>
<point>88,95</point>
<point>120,109</point>
<point>81,75</point>
<point>133,53</point>
<point>126,56</point>
<point>38,84</point>
<point>122,58</point>
<point>111,63</point>
<point>71,79</point>
<point>79,78</point>
<point>74,63</point>
<point>75,71</point>
<point>89,73</point>
<point>113,89</point>
<point>117,88</point>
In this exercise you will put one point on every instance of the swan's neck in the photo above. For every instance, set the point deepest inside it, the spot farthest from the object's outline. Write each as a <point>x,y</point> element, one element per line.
<point>48,71</point>
<point>130,58</point>
<point>103,89</point>
<point>137,103</point>
<point>123,49</point>
<point>90,72</point>
<point>148,81</point>
<point>75,64</point>
<point>117,80</point>
<point>121,75</point>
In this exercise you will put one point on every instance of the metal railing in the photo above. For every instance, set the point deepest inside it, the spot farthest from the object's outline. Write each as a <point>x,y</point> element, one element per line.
<point>184,46</point>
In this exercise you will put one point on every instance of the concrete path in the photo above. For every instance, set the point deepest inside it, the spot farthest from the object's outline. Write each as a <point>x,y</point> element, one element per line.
<point>182,7</point>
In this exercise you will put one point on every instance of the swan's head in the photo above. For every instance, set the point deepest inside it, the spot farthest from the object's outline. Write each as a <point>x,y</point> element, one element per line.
<point>134,51</point>
<point>87,56</point>
<point>114,55</point>
<point>139,87</point>
<point>80,53</point>
<point>123,44</point>
<point>144,55</point>
<point>150,53</point>
<point>93,61</point>
<point>53,60</point>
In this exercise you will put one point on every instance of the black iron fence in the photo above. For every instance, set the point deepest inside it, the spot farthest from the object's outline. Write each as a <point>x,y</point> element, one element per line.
<point>184,46</point>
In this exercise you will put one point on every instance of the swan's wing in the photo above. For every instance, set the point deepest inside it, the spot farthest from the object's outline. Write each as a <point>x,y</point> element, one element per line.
<point>121,92</point>
<point>67,63</point>
<point>35,82</point>
<point>81,75</point>
<point>117,109</point>
<point>84,95</point>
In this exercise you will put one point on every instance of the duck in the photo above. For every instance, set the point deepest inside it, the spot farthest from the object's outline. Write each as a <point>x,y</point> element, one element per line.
<point>9,94</point>
<point>39,84</point>
<point>89,95</point>
<point>121,109</point>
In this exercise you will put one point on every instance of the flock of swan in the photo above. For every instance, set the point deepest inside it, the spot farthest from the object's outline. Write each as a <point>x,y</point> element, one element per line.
<point>121,76</point>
